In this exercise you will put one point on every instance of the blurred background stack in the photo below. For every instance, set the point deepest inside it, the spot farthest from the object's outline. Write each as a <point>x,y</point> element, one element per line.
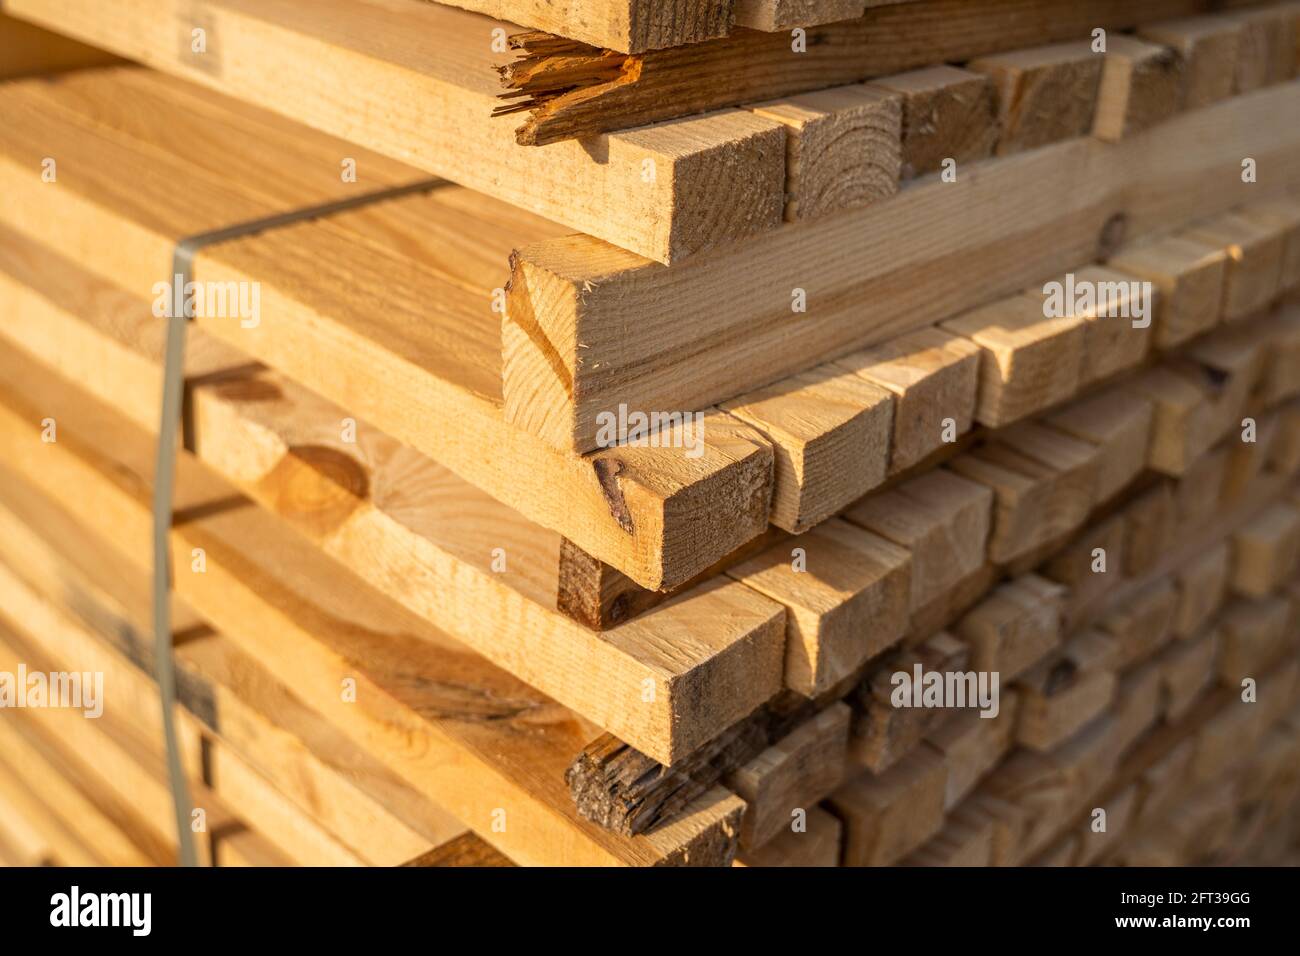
<point>682,373</point>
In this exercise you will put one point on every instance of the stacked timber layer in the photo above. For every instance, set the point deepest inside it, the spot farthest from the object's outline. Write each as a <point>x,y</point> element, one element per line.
<point>964,341</point>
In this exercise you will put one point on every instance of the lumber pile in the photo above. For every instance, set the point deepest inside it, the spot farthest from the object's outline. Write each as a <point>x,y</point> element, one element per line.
<point>899,464</point>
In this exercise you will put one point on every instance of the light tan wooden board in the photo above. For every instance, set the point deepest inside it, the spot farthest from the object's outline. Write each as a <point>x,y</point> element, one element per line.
<point>336,783</point>
<point>751,66</point>
<point>869,275</point>
<point>262,579</point>
<point>451,554</point>
<point>424,366</point>
<point>843,148</point>
<point>415,81</point>
<point>627,25</point>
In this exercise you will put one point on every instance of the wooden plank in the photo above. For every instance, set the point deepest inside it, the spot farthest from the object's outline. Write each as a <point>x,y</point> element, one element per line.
<point>261,579</point>
<point>773,15</point>
<point>1209,47</point>
<point>240,846</point>
<point>1268,46</point>
<point>933,377</point>
<point>888,816</point>
<point>1149,523</point>
<point>1190,275</point>
<point>1232,362</point>
<point>816,845</point>
<point>1014,627</point>
<point>884,733</point>
<point>1044,485</point>
<point>1182,427</point>
<point>1202,585</point>
<point>1186,669</point>
<point>963,841</point>
<point>415,81</point>
<point>332,780</point>
<point>48,775</point>
<point>941,519</point>
<point>1255,254</point>
<point>1060,696</point>
<point>1028,361</point>
<point>830,433</point>
<point>948,113</point>
<point>1045,94</point>
<point>1142,84</point>
<point>464,850</point>
<point>448,354</point>
<point>1089,566</point>
<point>972,746</point>
<point>630,26</point>
<point>124,777</point>
<point>288,451</point>
<point>1282,372</point>
<point>1120,426</point>
<point>935,250</point>
<point>1117,312</point>
<point>1142,624</point>
<point>752,66</point>
<point>31,811</point>
<point>1266,551</point>
<point>26,50</point>
<point>1284,214</point>
<point>791,776</point>
<point>843,148</point>
<point>846,594</point>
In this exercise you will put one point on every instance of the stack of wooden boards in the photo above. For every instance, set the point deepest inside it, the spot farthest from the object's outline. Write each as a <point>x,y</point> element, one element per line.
<point>495,543</point>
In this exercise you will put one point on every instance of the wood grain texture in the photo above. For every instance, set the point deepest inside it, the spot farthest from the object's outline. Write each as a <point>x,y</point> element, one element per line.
<point>438,536</point>
<point>1028,361</point>
<point>791,776</point>
<point>817,844</point>
<point>414,81</point>
<point>1045,94</point>
<point>27,50</point>
<point>1256,250</point>
<point>1142,84</point>
<point>1117,321</point>
<point>933,377</point>
<point>413,682</point>
<point>333,782</point>
<point>1014,627</point>
<point>631,26</point>
<point>942,520</point>
<point>845,591</point>
<point>948,113</point>
<point>752,66</point>
<point>1208,47</point>
<point>430,375</point>
<point>1189,273</point>
<point>1120,425</point>
<point>886,817</point>
<point>935,250</point>
<point>843,148</point>
<point>773,15</point>
<point>830,432</point>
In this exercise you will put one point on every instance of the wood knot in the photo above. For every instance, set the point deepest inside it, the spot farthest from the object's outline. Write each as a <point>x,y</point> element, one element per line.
<point>317,484</point>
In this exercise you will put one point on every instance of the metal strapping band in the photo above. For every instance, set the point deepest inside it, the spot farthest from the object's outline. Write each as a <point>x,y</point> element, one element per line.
<point>165,463</point>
